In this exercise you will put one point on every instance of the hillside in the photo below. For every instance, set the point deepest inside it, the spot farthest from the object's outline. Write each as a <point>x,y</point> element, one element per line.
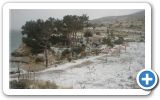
<point>132,21</point>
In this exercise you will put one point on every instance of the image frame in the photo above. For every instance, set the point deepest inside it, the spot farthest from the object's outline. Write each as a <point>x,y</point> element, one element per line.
<point>6,26</point>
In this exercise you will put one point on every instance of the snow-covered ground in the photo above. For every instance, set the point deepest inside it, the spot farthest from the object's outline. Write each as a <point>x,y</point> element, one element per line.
<point>95,72</point>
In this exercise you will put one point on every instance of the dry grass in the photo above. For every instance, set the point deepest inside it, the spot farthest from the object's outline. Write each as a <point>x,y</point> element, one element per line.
<point>31,84</point>
<point>34,67</point>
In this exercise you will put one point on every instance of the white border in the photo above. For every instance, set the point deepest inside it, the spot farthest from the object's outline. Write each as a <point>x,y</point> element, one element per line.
<point>9,6</point>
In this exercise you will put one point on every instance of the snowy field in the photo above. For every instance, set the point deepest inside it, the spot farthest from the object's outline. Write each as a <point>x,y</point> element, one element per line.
<point>97,72</point>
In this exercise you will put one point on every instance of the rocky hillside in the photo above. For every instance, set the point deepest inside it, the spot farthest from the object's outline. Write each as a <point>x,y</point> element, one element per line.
<point>132,21</point>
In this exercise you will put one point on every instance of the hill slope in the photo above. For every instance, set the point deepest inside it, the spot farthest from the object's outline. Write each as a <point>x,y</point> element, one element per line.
<point>134,21</point>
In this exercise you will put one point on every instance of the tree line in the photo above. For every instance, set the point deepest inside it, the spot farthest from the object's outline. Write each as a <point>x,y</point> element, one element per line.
<point>40,34</point>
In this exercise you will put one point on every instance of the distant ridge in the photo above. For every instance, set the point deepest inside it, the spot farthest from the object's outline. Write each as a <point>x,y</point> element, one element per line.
<point>112,19</point>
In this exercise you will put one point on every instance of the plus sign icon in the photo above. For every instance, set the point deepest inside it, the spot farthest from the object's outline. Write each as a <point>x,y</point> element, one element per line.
<point>147,79</point>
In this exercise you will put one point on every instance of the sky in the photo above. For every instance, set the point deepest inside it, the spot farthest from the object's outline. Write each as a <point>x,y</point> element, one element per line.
<point>18,17</point>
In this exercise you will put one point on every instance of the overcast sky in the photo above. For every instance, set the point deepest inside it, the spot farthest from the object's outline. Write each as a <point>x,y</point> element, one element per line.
<point>19,17</point>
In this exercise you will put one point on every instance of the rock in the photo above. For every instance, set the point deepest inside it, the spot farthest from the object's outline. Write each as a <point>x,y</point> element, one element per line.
<point>20,59</point>
<point>12,72</point>
<point>23,50</point>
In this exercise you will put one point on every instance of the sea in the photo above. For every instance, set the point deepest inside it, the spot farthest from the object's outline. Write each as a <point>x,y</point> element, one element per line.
<point>15,41</point>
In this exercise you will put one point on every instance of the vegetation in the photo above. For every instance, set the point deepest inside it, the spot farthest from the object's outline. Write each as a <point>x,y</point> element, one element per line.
<point>32,84</point>
<point>88,34</point>
<point>73,24</point>
<point>54,42</point>
<point>66,54</point>
<point>37,35</point>
<point>120,40</point>
<point>109,40</point>
<point>40,34</point>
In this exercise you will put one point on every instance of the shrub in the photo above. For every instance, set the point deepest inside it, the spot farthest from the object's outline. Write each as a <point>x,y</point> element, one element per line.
<point>35,48</point>
<point>30,84</point>
<point>83,54</point>
<point>79,49</point>
<point>88,34</point>
<point>120,40</point>
<point>17,85</point>
<point>39,59</point>
<point>69,59</point>
<point>98,33</point>
<point>65,53</point>
<point>104,41</point>
<point>109,42</point>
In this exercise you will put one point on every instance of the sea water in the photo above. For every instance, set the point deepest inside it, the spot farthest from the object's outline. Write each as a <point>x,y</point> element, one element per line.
<point>15,38</point>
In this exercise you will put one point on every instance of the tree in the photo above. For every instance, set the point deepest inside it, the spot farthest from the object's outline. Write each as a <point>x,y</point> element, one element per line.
<point>30,32</point>
<point>37,35</point>
<point>74,24</point>
<point>61,33</point>
<point>110,38</point>
<point>88,34</point>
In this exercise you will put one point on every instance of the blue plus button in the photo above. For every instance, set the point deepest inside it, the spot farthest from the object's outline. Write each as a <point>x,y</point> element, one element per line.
<point>147,79</point>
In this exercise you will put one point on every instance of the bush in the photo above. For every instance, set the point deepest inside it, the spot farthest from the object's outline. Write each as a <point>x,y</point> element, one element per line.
<point>98,33</point>
<point>120,40</point>
<point>142,40</point>
<point>78,49</point>
<point>65,54</point>
<point>88,34</point>
<point>109,42</point>
<point>30,84</point>
<point>83,54</point>
<point>69,59</point>
<point>35,47</point>
<point>38,59</point>
<point>18,85</point>
<point>104,41</point>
